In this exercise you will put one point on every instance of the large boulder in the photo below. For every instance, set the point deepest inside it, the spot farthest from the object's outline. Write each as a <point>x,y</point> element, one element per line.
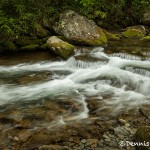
<point>79,29</point>
<point>60,47</point>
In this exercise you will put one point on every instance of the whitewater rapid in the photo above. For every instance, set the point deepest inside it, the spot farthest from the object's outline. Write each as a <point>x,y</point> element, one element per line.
<point>124,78</point>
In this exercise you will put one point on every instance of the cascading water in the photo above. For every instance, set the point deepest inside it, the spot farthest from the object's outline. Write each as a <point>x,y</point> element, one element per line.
<point>119,81</point>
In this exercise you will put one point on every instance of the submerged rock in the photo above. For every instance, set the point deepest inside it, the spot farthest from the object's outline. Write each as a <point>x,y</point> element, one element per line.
<point>50,147</point>
<point>60,47</point>
<point>143,136</point>
<point>79,29</point>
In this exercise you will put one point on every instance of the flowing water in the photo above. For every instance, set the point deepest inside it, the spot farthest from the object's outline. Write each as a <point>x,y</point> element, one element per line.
<point>115,82</point>
<point>42,91</point>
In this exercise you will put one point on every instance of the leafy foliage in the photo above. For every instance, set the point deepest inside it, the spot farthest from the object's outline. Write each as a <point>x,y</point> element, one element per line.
<point>20,17</point>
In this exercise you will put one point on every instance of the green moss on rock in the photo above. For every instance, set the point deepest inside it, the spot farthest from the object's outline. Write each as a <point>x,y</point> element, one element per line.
<point>43,47</point>
<point>25,41</point>
<point>111,36</point>
<point>9,46</point>
<point>60,47</point>
<point>133,33</point>
<point>41,32</point>
<point>146,38</point>
<point>32,47</point>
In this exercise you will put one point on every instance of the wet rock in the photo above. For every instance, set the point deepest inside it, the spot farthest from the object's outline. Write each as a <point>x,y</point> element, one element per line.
<point>50,147</point>
<point>92,143</point>
<point>145,111</point>
<point>120,130</point>
<point>34,77</point>
<point>79,29</point>
<point>76,140</point>
<point>23,135</point>
<point>49,104</point>
<point>83,141</point>
<point>143,134</point>
<point>122,121</point>
<point>60,47</point>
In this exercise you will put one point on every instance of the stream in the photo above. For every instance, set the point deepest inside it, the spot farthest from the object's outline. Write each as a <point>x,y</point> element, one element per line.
<point>37,91</point>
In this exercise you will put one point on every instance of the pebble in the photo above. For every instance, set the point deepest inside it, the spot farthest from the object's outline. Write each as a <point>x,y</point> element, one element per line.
<point>83,141</point>
<point>81,146</point>
<point>71,140</point>
<point>16,138</point>
<point>122,121</point>
<point>121,136</point>
<point>107,140</point>
<point>127,125</point>
<point>105,136</point>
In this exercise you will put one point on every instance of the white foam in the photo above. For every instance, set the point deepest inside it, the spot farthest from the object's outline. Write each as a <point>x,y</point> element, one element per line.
<point>126,81</point>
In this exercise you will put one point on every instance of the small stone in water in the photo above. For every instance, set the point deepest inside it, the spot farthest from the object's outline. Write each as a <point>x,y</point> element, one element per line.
<point>71,140</point>
<point>83,141</point>
<point>122,121</point>
<point>16,138</point>
<point>106,137</point>
<point>127,125</point>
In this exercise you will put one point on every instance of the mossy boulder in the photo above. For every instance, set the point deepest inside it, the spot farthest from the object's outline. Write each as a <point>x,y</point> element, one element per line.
<point>32,47</point>
<point>60,47</point>
<point>9,46</point>
<point>25,41</point>
<point>41,32</point>
<point>143,135</point>
<point>133,33</point>
<point>146,38</point>
<point>79,29</point>
<point>111,36</point>
<point>139,28</point>
<point>44,47</point>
